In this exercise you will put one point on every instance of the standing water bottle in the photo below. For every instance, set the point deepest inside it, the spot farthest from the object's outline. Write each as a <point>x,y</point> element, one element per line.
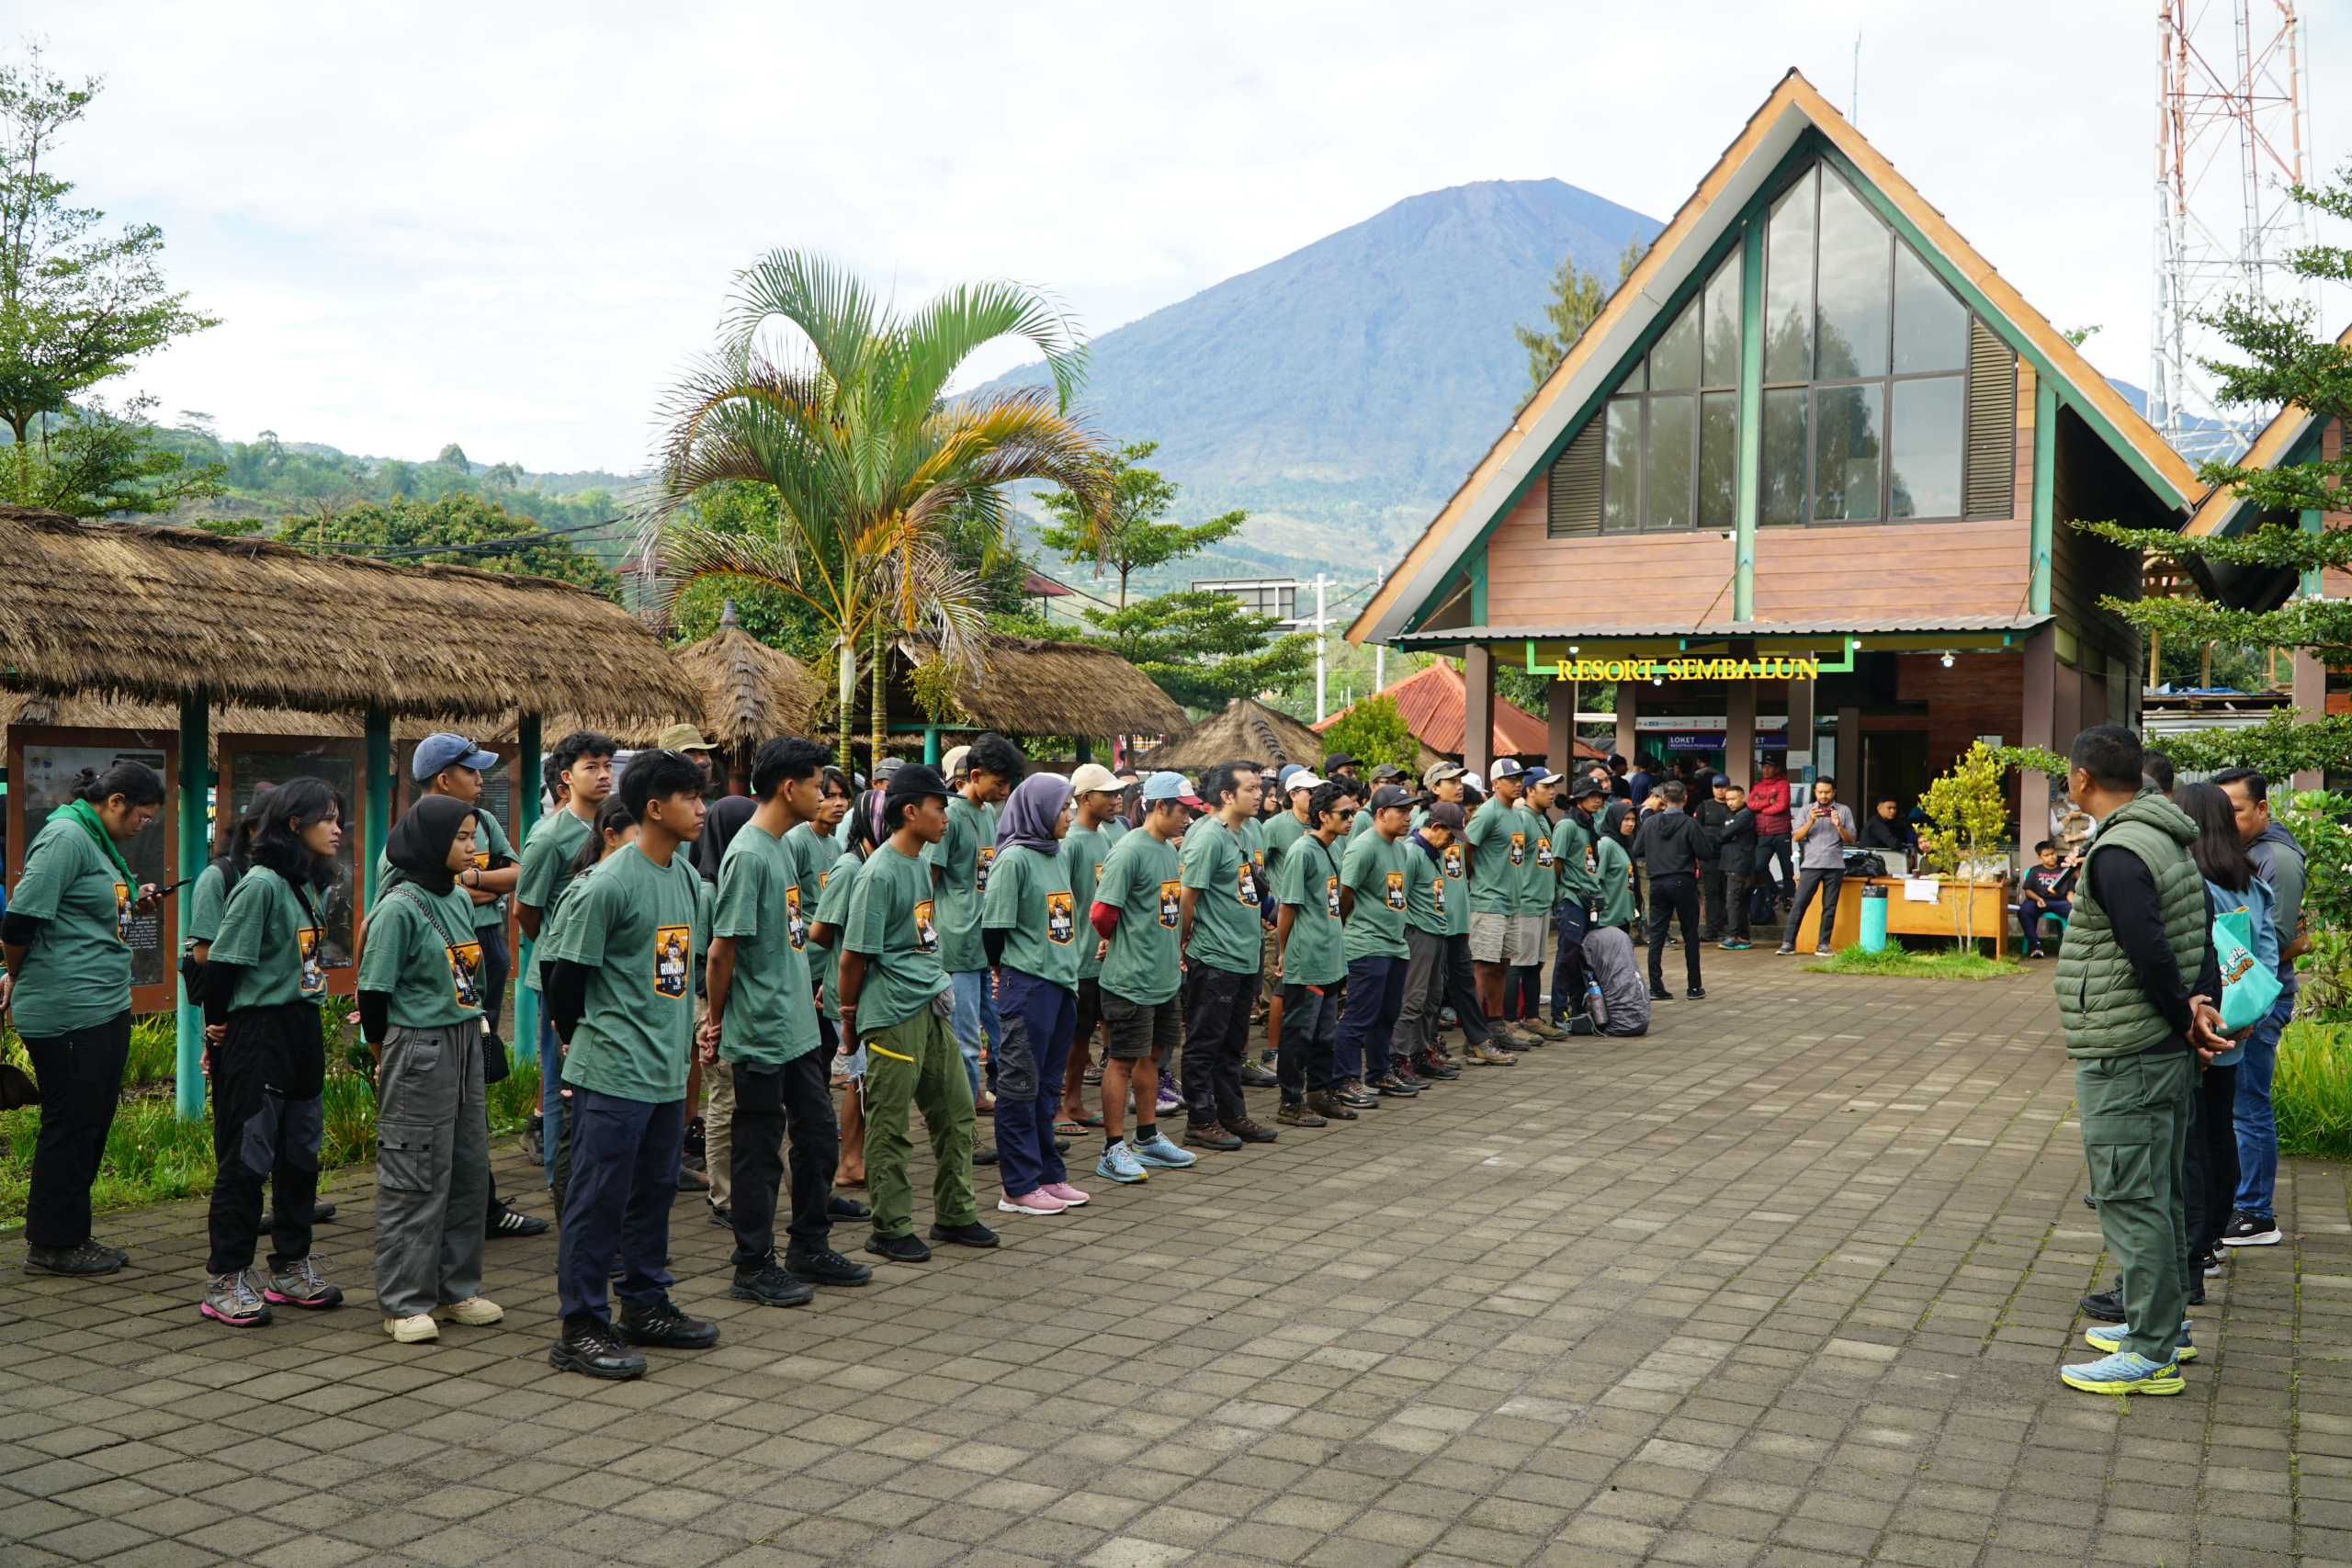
<point>1596,1010</point>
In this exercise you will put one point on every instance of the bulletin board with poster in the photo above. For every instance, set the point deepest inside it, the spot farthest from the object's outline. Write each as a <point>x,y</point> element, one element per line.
<point>43,760</point>
<point>497,798</point>
<point>250,764</point>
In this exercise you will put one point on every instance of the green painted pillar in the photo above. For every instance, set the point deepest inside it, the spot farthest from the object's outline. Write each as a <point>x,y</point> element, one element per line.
<point>196,786</point>
<point>2045,489</point>
<point>930,746</point>
<point>1081,749</point>
<point>2309,586</point>
<point>379,789</point>
<point>1749,492</point>
<point>525,785</point>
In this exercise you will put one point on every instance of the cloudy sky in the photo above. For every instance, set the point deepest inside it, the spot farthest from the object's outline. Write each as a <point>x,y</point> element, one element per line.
<point>507,225</point>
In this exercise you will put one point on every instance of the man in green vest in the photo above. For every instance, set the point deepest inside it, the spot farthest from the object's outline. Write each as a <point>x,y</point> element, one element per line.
<point>2136,983</point>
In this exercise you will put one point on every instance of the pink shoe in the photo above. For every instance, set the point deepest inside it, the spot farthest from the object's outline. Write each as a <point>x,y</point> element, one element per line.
<point>1038,1203</point>
<point>1071,1196</point>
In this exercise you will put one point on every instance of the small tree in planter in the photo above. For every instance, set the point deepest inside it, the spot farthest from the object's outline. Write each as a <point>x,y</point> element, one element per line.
<point>1967,814</point>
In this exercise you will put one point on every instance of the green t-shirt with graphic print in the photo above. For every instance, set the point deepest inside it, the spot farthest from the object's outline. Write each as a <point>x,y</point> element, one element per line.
<point>892,921</point>
<point>1216,863</point>
<point>639,929</point>
<point>1309,879</point>
<point>771,1015</point>
<point>422,951</point>
<point>77,974</point>
<point>1141,880</point>
<point>1377,869</point>
<point>1030,901</point>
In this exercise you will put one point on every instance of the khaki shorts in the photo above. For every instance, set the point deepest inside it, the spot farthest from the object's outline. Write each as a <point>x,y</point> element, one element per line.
<point>1535,939</point>
<point>1491,938</point>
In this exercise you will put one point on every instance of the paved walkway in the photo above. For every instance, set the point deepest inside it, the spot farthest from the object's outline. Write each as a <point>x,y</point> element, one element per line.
<point>1784,1283</point>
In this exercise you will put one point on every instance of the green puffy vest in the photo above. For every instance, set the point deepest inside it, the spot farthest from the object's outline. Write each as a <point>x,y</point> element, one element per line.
<point>2099,1000</point>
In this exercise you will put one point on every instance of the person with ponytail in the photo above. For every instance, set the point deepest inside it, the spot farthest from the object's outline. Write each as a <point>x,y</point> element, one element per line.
<point>264,980</point>
<point>66,939</point>
<point>422,1013</point>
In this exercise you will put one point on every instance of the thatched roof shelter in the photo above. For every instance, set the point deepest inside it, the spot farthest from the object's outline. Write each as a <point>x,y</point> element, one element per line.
<point>1246,729</point>
<point>1034,686</point>
<point>751,692</point>
<point>143,613</point>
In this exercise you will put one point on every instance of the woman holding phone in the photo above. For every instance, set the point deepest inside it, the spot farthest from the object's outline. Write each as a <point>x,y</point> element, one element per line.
<point>66,939</point>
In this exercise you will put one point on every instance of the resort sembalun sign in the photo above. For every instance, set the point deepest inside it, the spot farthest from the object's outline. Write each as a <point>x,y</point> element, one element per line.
<point>1763,668</point>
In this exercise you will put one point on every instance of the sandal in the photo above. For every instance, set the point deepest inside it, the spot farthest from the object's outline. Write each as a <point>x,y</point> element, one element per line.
<point>1066,1128</point>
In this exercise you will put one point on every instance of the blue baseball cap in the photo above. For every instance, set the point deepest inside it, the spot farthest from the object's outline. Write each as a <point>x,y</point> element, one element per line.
<point>1169,786</point>
<point>442,750</point>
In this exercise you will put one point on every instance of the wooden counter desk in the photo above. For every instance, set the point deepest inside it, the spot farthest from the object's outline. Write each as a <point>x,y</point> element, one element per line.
<point>1989,912</point>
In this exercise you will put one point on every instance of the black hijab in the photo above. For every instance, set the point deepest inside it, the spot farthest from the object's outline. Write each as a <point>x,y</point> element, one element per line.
<point>419,847</point>
<point>726,818</point>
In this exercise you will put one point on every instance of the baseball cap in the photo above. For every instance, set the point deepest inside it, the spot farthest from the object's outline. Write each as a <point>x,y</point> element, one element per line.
<point>1438,773</point>
<point>1300,780</point>
<point>1337,761</point>
<point>1386,771</point>
<point>1536,773</point>
<point>914,779</point>
<point>442,750</point>
<point>1472,781</point>
<point>684,738</point>
<point>1168,787</point>
<point>1587,789</point>
<point>953,763</point>
<point>1387,795</point>
<point>1507,768</point>
<point>1447,815</point>
<point>889,765</point>
<point>1093,776</point>
<point>1283,778</point>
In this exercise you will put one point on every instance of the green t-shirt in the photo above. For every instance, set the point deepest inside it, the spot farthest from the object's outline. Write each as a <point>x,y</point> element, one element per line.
<point>1539,873</point>
<point>892,920</point>
<point>1309,878</point>
<point>1141,880</point>
<point>1614,871</point>
<point>207,896</point>
<point>1572,848</point>
<point>771,1013</point>
<point>964,855</point>
<point>1083,851</point>
<point>1216,862</point>
<point>816,854</point>
<point>547,859</point>
<point>1498,848</point>
<point>433,983</point>
<point>271,930</point>
<point>832,909</point>
<point>639,928</point>
<point>1426,908</point>
<point>77,974</point>
<point>1361,823</point>
<point>489,839</point>
<point>1029,900</point>
<point>1281,834</point>
<point>1376,867</point>
<point>550,924</point>
<point>1455,865</point>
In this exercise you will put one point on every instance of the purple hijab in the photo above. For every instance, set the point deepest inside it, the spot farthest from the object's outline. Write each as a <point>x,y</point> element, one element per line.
<point>1029,814</point>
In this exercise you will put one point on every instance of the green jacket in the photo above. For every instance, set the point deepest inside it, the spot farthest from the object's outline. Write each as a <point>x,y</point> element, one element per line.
<point>2101,1004</point>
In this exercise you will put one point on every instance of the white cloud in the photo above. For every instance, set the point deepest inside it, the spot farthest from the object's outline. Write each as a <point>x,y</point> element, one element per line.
<point>508,225</point>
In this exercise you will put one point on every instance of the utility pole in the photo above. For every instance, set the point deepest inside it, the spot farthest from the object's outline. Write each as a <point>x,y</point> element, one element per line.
<point>1380,650</point>
<point>1319,709</point>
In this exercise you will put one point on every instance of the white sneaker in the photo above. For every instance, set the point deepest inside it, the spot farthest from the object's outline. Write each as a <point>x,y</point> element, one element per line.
<point>418,1330</point>
<point>475,1312</point>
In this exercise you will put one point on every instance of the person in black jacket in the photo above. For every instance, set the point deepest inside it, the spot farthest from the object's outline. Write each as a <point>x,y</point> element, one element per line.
<point>1713,816</point>
<point>1886,830</point>
<point>1672,844</point>
<point>1738,865</point>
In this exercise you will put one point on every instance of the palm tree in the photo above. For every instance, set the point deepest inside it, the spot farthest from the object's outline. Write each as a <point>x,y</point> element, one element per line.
<point>865,455</point>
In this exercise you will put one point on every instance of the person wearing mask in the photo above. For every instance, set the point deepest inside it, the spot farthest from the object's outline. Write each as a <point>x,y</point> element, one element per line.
<point>1374,874</point>
<point>66,941</point>
<point>960,864</point>
<point>1094,805</point>
<point>2278,859</point>
<point>1539,896</point>
<point>1572,838</point>
<point>762,1037</point>
<point>1775,879</point>
<point>1138,913</point>
<point>1738,865</point>
<point>422,1013</point>
<point>1428,918</point>
<point>1030,925</point>
<point>582,765</point>
<point>1217,937</point>
<point>263,983</point>
<point>1498,855</point>
<point>1707,806</point>
<point>1822,830</point>
<point>2136,984</point>
<point>1608,947</point>
<point>1670,843</point>
<point>2043,891</point>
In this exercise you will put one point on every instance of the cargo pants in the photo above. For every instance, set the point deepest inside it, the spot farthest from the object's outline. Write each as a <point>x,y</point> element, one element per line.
<point>2135,1131</point>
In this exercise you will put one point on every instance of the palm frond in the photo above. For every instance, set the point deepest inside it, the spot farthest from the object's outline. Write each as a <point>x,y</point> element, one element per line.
<point>833,310</point>
<point>947,330</point>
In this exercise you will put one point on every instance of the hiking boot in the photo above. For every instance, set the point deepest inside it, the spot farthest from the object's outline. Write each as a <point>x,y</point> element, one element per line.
<point>321,1212</point>
<point>1513,1037</point>
<point>589,1347</point>
<point>1659,994</point>
<point>2106,1306</point>
<point>1485,1055</point>
<point>1430,1065</point>
<point>771,1286</point>
<point>1209,1136</point>
<point>970,1233</point>
<point>1402,1071</point>
<point>1248,1131</point>
<point>515,1223</point>
<point>88,1257</point>
<point>1326,1104</point>
<point>825,1267</point>
<point>231,1299</point>
<point>1354,1096</point>
<point>1297,1113</point>
<point>1393,1087</point>
<point>1697,993</point>
<point>474,1312</point>
<point>664,1328</point>
<point>898,1248</point>
<point>301,1286</point>
<point>1547,1031</point>
<point>1255,1076</point>
<point>418,1330</point>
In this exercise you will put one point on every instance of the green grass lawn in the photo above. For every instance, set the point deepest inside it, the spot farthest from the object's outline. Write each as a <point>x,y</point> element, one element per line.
<point>1918,964</point>
<point>2310,1091</point>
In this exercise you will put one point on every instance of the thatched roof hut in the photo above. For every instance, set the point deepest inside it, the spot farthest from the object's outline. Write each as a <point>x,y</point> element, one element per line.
<point>751,692</point>
<point>143,613</point>
<point>1035,686</point>
<point>1246,729</point>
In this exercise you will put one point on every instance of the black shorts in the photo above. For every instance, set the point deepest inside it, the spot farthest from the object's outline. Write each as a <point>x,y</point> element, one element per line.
<point>1138,1030</point>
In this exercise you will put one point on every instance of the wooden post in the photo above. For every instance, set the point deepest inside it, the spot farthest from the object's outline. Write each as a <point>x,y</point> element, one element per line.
<point>1629,737</point>
<point>1739,734</point>
<point>1849,759</point>
<point>377,785</point>
<point>2038,715</point>
<point>526,787</point>
<point>1478,710</point>
<point>1560,728</point>
<point>1800,738</point>
<point>196,786</point>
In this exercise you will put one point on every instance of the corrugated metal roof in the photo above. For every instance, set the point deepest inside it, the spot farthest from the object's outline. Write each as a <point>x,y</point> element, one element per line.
<point>1432,703</point>
<point>1717,630</point>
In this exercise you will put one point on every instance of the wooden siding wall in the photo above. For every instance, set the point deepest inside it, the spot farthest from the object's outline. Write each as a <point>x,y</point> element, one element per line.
<point>1625,579</point>
<point>1981,693</point>
<point>2094,485</point>
<point>1890,568</point>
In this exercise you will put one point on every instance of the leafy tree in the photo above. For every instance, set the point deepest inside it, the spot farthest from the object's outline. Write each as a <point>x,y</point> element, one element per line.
<point>379,528</point>
<point>1968,817</point>
<point>96,463</point>
<point>1202,647</point>
<point>1130,536</point>
<point>1373,732</point>
<point>866,458</point>
<point>1576,298</point>
<point>77,307</point>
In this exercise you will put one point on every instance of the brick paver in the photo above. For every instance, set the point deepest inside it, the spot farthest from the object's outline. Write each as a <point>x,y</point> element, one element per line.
<point>1784,1283</point>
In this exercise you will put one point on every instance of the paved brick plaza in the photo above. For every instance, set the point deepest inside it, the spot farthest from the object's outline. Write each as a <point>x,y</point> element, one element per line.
<point>1783,1283</point>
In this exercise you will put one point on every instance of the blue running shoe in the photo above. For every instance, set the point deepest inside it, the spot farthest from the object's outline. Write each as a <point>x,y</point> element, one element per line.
<point>2124,1372</point>
<point>2109,1337</point>
<point>1159,1151</point>
<point>1119,1164</point>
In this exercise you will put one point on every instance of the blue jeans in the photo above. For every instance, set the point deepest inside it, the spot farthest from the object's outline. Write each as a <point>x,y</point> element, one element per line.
<point>1368,1021</point>
<point>1031,1060</point>
<point>2257,1132</point>
<point>975,1019</point>
<point>550,1091</point>
<point>624,1178</point>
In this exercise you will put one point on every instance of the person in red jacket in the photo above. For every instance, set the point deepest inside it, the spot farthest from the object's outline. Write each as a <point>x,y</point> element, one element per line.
<point>1774,877</point>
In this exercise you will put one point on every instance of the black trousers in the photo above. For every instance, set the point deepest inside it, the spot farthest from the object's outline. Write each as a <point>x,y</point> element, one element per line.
<point>1712,893</point>
<point>1216,1029</point>
<point>268,1121</point>
<point>1461,991</point>
<point>1735,920</point>
<point>1672,897</point>
<point>771,1104</point>
<point>1567,960</point>
<point>80,1076</point>
<point>1311,1034</point>
<point>1812,880</point>
<point>2209,1167</point>
<point>497,963</point>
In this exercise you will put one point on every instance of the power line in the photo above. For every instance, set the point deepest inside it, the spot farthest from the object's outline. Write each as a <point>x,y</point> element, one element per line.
<point>392,552</point>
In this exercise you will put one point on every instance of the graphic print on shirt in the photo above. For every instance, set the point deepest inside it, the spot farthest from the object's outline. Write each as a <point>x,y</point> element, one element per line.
<point>980,868</point>
<point>1438,886</point>
<point>926,929</point>
<point>465,973</point>
<point>1248,877</point>
<point>670,944</point>
<point>1543,853</point>
<point>314,977</point>
<point>122,911</point>
<point>795,929</point>
<point>1061,918</point>
<point>820,878</point>
<point>1454,862</point>
<point>1331,895</point>
<point>1519,848</point>
<point>1171,894</point>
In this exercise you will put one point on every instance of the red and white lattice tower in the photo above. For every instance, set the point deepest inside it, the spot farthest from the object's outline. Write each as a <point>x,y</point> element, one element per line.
<point>2233,133</point>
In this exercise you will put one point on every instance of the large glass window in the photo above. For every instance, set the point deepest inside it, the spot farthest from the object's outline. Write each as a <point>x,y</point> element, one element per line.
<point>1673,441</point>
